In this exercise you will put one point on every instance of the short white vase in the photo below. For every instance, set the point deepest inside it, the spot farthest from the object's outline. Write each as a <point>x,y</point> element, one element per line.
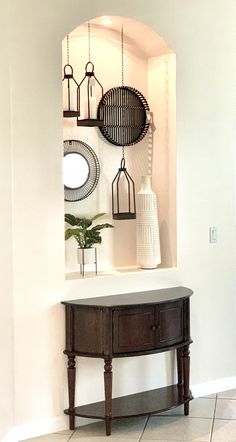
<point>148,241</point>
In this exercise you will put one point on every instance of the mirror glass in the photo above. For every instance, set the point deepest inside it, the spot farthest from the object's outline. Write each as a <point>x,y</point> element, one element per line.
<point>75,170</point>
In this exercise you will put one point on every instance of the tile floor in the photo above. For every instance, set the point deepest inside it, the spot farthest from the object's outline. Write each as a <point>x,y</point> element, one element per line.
<point>211,419</point>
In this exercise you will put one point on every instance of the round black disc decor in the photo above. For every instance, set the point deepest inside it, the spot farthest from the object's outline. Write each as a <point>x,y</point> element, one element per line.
<point>124,111</point>
<point>81,170</point>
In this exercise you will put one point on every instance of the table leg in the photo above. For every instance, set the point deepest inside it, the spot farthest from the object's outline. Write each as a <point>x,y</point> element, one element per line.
<point>71,373</point>
<point>180,366</point>
<point>108,394</point>
<point>186,367</point>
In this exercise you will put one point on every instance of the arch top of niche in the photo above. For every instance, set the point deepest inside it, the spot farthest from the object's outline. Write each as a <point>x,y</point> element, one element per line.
<point>146,41</point>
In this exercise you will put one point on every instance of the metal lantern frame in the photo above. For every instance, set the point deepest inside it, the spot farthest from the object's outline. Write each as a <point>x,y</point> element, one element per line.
<point>116,213</point>
<point>119,118</point>
<point>69,77</point>
<point>91,81</point>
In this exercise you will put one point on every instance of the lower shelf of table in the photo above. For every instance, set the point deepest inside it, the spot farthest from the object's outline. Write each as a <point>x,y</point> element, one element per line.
<point>138,404</point>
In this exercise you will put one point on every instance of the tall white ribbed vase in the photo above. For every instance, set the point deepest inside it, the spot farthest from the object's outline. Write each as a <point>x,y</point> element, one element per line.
<point>148,241</point>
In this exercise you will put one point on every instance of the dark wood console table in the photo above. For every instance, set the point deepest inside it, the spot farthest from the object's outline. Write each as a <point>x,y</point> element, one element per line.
<point>130,324</point>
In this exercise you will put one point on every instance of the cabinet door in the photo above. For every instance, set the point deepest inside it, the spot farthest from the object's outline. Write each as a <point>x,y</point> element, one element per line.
<point>170,324</point>
<point>87,331</point>
<point>133,329</point>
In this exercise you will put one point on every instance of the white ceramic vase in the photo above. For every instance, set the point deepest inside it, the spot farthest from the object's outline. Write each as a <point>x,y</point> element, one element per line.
<point>148,241</point>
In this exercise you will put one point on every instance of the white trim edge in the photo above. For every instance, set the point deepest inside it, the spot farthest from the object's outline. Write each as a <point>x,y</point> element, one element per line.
<point>212,387</point>
<point>60,423</point>
<point>36,428</point>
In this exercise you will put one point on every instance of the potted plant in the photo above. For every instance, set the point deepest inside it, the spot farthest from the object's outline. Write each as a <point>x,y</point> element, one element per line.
<point>86,237</point>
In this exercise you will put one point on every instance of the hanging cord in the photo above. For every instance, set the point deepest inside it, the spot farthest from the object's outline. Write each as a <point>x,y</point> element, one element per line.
<point>122,76</point>
<point>122,55</point>
<point>68,49</point>
<point>89,41</point>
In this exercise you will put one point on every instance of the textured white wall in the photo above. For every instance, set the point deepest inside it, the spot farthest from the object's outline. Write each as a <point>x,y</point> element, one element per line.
<point>202,35</point>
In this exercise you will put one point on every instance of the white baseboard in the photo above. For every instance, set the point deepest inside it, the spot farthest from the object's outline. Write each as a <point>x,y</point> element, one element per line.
<point>212,387</point>
<point>41,427</point>
<point>60,423</point>
<point>36,428</point>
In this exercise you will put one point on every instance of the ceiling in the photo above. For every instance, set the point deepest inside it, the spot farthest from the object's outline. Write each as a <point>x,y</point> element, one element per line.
<point>136,34</point>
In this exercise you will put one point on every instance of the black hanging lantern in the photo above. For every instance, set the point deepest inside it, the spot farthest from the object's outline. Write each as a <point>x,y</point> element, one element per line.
<point>70,90</point>
<point>90,108</point>
<point>123,188</point>
<point>123,194</point>
<point>90,85</point>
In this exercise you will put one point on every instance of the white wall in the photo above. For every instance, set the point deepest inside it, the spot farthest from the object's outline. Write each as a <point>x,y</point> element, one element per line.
<point>6,311</point>
<point>201,34</point>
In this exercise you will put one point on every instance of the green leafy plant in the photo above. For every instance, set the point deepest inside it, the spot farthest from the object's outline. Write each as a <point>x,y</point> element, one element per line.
<point>85,235</point>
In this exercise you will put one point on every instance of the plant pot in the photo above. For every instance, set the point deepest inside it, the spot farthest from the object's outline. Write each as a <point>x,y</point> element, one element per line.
<point>87,256</point>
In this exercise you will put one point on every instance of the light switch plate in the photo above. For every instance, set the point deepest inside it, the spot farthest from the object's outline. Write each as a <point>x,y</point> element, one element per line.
<point>213,235</point>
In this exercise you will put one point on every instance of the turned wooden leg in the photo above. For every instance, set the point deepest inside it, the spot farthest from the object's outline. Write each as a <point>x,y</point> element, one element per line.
<point>186,367</point>
<point>108,394</point>
<point>180,366</point>
<point>71,372</point>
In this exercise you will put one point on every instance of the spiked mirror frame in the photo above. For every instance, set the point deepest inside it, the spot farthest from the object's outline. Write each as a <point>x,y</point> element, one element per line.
<point>83,149</point>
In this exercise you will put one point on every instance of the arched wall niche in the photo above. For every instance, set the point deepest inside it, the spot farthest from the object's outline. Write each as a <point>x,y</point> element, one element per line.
<point>150,67</point>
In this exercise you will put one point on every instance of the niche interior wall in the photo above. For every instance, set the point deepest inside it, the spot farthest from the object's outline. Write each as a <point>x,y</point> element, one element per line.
<point>149,66</point>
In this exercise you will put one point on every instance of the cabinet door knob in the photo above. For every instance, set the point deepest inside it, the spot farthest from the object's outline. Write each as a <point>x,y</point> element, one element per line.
<point>153,327</point>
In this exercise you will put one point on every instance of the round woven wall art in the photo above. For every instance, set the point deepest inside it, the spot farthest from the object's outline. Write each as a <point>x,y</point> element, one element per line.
<point>81,170</point>
<point>124,111</point>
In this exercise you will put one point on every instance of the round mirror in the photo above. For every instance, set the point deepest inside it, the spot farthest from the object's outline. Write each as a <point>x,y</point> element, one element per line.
<point>75,170</point>
<point>81,170</point>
